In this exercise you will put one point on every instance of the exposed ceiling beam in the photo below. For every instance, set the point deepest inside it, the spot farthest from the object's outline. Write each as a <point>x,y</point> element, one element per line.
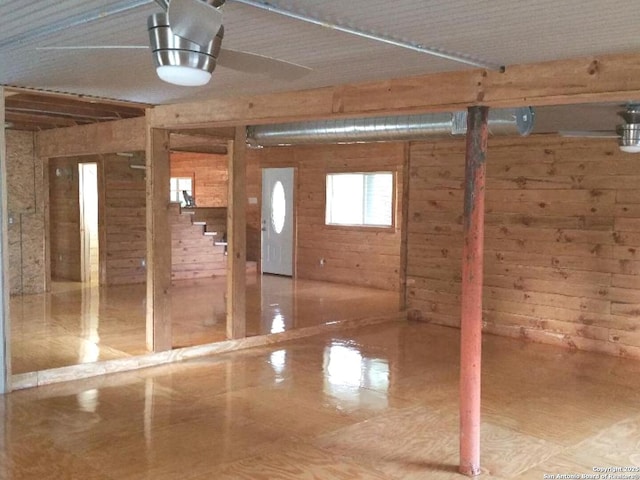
<point>34,111</point>
<point>40,121</point>
<point>215,150</point>
<point>72,106</point>
<point>601,79</point>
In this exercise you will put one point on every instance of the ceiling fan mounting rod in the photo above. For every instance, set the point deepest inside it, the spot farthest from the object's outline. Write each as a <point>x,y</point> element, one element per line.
<point>416,47</point>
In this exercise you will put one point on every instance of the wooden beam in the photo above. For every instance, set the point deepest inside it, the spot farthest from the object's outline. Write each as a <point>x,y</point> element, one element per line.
<point>590,79</point>
<point>404,226</point>
<point>198,144</point>
<point>42,121</point>
<point>5,356</point>
<point>52,97</point>
<point>158,241</point>
<point>471,321</point>
<point>106,137</point>
<point>64,105</point>
<point>102,222</point>
<point>614,78</point>
<point>237,237</point>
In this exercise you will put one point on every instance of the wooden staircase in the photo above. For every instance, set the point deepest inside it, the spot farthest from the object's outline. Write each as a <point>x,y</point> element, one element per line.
<point>198,242</point>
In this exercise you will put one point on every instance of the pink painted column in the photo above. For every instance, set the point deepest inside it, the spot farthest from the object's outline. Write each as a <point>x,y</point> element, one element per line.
<point>471,320</point>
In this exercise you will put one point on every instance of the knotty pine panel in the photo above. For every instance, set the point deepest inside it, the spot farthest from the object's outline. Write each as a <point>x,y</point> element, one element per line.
<point>124,221</point>
<point>356,256</point>
<point>562,240</point>
<point>209,173</point>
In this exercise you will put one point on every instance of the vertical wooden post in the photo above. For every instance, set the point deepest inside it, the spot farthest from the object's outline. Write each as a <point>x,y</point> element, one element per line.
<point>5,356</point>
<point>471,321</point>
<point>102,223</point>
<point>158,240</point>
<point>404,225</point>
<point>237,237</point>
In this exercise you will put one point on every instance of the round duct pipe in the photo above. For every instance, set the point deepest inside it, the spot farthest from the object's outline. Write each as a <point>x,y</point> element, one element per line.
<point>387,129</point>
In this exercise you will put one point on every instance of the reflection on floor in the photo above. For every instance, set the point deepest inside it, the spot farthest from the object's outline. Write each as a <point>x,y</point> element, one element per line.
<point>75,324</point>
<point>377,402</point>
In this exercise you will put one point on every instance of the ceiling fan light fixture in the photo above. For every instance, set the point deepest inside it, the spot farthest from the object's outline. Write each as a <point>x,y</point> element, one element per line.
<point>629,137</point>
<point>183,75</point>
<point>179,61</point>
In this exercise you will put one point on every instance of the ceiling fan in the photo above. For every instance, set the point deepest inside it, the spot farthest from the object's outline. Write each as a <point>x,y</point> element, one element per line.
<point>186,43</point>
<point>627,133</point>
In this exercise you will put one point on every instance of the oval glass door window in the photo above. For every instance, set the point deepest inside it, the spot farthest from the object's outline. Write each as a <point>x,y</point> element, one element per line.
<point>278,207</point>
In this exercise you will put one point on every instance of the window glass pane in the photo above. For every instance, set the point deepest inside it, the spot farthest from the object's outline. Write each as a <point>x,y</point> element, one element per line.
<point>176,186</point>
<point>184,184</point>
<point>360,199</point>
<point>344,194</point>
<point>278,207</point>
<point>378,199</point>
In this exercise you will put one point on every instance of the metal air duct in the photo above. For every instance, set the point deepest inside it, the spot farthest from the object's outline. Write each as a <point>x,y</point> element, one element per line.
<point>387,129</point>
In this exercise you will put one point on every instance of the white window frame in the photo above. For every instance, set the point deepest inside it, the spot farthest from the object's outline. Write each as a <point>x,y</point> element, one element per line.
<point>330,221</point>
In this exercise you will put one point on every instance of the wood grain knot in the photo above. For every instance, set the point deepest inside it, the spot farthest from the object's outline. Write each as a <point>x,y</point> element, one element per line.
<point>594,67</point>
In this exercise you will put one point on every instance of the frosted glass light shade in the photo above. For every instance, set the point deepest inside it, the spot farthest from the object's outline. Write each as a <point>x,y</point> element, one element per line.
<point>183,76</point>
<point>630,148</point>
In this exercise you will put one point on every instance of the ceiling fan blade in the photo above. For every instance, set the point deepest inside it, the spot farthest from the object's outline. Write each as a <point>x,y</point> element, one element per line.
<point>589,134</point>
<point>195,20</point>
<point>97,47</point>
<point>254,63</point>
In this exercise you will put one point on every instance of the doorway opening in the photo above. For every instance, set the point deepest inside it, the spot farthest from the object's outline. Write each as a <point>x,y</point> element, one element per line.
<point>89,237</point>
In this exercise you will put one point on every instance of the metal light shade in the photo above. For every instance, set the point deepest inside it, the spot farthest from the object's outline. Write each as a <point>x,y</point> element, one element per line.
<point>178,60</point>
<point>629,137</point>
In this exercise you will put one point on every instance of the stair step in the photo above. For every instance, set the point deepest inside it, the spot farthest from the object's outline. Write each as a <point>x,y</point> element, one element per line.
<point>199,222</point>
<point>210,234</point>
<point>220,244</point>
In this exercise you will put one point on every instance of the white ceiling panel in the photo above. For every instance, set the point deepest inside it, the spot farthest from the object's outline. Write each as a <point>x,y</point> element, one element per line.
<point>499,31</point>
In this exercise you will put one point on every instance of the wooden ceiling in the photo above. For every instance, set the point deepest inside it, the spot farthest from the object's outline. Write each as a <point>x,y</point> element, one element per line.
<point>34,111</point>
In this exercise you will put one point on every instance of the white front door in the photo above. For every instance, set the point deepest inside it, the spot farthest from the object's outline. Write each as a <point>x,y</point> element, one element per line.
<point>277,221</point>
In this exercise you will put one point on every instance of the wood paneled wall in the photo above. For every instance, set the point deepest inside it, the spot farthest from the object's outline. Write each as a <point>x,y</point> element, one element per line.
<point>210,176</point>
<point>25,203</point>
<point>64,218</point>
<point>562,240</point>
<point>193,255</point>
<point>356,256</point>
<point>124,220</point>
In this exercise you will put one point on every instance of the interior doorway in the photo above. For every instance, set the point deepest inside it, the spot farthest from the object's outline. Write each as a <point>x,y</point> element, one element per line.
<point>277,221</point>
<point>89,243</point>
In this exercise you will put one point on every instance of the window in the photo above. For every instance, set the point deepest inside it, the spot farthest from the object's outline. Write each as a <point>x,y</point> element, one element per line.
<point>360,199</point>
<point>177,185</point>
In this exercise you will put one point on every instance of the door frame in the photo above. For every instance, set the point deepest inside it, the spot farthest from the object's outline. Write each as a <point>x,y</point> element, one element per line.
<point>294,226</point>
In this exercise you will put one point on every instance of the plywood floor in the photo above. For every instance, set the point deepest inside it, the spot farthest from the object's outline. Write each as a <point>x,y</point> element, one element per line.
<point>376,402</point>
<point>78,323</point>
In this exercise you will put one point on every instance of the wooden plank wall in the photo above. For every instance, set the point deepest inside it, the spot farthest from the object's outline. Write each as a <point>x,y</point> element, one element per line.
<point>124,220</point>
<point>356,256</point>
<point>210,176</point>
<point>193,255</point>
<point>562,241</point>
<point>64,218</point>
